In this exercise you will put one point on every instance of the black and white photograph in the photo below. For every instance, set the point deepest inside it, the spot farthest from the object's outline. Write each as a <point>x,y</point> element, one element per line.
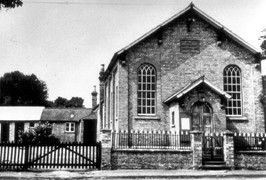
<point>133,89</point>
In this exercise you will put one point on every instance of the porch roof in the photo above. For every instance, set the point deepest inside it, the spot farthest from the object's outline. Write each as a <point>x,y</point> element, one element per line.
<point>192,85</point>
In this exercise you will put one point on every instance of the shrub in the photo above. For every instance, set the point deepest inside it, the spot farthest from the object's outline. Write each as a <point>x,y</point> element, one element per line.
<point>41,134</point>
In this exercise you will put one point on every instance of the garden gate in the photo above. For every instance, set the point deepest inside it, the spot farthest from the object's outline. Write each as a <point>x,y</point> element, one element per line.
<point>14,156</point>
<point>213,147</point>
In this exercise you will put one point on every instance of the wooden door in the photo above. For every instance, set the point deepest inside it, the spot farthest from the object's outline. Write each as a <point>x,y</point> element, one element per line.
<point>201,117</point>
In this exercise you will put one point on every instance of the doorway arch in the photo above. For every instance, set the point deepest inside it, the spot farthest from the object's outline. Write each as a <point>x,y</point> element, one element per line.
<point>201,113</point>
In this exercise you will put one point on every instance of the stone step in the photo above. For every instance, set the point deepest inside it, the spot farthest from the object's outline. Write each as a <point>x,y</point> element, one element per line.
<point>214,163</point>
<point>215,167</point>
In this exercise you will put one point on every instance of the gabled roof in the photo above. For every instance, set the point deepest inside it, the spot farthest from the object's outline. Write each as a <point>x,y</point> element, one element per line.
<point>20,113</point>
<point>200,81</point>
<point>67,114</point>
<point>198,12</point>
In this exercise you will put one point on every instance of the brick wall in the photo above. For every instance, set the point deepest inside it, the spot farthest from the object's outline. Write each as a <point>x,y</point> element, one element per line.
<point>175,70</point>
<point>59,131</point>
<point>151,159</point>
<point>123,105</point>
<point>250,160</point>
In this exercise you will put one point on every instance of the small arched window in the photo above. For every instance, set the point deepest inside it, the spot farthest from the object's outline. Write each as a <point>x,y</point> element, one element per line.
<point>146,90</point>
<point>233,86</point>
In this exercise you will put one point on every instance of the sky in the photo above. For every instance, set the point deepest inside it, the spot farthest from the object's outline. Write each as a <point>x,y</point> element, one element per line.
<point>64,42</point>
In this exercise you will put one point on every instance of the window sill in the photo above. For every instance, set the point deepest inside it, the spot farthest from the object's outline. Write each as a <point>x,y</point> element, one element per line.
<point>235,118</point>
<point>147,118</point>
<point>69,132</point>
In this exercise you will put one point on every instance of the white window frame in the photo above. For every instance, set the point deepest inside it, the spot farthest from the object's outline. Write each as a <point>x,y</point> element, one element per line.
<point>146,90</point>
<point>69,126</point>
<point>232,82</point>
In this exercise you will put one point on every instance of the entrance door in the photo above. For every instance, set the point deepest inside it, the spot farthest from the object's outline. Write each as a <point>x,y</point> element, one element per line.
<point>90,128</point>
<point>201,117</point>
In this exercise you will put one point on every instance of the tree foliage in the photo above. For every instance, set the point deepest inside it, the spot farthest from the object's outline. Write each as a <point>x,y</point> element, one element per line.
<point>263,44</point>
<point>41,134</point>
<point>19,89</point>
<point>75,102</point>
<point>10,3</point>
<point>60,102</point>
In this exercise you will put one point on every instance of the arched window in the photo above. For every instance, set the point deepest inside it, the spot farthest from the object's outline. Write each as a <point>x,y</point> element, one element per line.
<point>146,90</point>
<point>233,86</point>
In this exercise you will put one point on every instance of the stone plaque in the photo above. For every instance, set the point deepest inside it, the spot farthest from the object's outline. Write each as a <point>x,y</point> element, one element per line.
<point>189,46</point>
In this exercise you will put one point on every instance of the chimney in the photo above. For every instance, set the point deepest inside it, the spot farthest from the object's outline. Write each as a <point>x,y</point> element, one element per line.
<point>94,97</point>
<point>101,83</point>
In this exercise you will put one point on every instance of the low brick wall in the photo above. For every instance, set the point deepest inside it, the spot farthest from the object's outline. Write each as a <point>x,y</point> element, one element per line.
<point>151,159</point>
<point>250,160</point>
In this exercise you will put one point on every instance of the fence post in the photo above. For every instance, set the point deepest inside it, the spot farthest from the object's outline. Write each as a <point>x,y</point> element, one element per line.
<point>106,138</point>
<point>99,155</point>
<point>229,149</point>
<point>26,157</point>
<point>196,145</point>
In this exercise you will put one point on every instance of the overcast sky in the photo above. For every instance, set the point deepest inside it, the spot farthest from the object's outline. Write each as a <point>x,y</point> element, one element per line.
<point>64,42</point>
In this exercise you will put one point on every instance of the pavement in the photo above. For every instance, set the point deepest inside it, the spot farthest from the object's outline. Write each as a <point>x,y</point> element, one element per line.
<point>132,174</point>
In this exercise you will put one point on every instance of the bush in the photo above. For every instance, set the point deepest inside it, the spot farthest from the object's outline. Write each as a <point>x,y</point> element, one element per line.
<point>41,134</point>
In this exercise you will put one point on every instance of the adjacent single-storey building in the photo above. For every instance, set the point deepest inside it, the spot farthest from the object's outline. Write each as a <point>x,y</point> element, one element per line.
<point>69,124</point>
<point>72,124</point>
<point>15,118</point>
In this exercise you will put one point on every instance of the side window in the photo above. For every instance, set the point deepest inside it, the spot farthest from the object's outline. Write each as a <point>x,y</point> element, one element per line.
<point>146,90</point>
<point>173,118</point>
<point>233,86</point>
<point>70,127</point>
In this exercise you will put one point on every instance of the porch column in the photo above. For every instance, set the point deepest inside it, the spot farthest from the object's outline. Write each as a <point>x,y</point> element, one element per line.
<point>11,132</point>
<point>106,138</point>
<point>196,145</point>
<point>228,149</point>
<point>26,126</point>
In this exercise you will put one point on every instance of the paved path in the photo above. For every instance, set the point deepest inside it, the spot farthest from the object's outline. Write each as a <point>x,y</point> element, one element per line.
<point>134,174</point>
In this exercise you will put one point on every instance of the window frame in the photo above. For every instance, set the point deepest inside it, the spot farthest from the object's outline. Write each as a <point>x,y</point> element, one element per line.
<point>68,127</point>
<point>232,84</point>
<point>146,90</point>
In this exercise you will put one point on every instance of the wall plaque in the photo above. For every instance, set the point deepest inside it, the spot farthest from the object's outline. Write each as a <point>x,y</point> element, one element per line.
<point>189,46</point>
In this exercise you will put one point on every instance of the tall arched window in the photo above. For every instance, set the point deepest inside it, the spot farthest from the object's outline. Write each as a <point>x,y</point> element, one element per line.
<point>233,86</point>
<point>146,90</point>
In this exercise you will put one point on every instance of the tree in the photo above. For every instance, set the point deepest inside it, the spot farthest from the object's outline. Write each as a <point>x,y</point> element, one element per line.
<point>19,89</point>
<point>60,102</point>
<point>263,44</point>
<point>10,3</point>
<point>76,102</point>
<point>41,134</point>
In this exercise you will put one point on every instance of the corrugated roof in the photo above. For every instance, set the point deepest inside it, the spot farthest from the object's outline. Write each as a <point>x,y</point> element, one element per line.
<point>194,84</point>
<point>67,114</point>
<point>198,12</point>
<point>20,113</point>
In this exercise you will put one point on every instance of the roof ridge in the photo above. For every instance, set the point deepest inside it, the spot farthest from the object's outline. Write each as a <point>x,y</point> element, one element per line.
<point>203,15</point>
